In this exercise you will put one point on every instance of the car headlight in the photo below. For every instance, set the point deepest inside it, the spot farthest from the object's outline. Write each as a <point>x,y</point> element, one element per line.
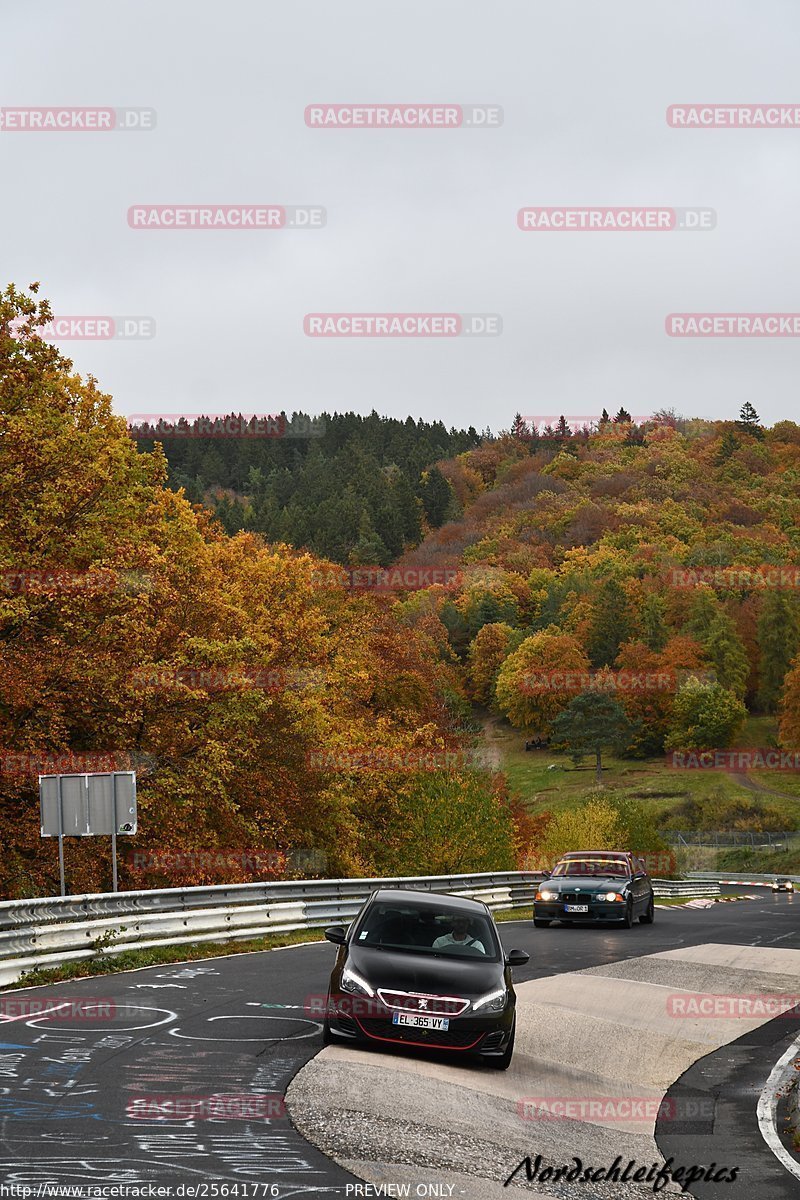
<point>545,896</point>
<point>491,1002</point>
<point>354,984</point>
<point>611,896</point>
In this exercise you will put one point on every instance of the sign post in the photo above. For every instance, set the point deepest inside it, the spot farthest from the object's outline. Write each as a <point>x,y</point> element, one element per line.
<point>60,840</point>
<point>87,805</point>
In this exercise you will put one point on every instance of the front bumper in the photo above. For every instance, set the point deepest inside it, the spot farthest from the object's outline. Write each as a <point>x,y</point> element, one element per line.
<point>599,910</point>
<point>371,1024</point>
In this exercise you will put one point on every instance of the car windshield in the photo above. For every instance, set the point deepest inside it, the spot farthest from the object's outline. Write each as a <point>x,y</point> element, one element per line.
<point>616,868</point>
<point>427,929</point>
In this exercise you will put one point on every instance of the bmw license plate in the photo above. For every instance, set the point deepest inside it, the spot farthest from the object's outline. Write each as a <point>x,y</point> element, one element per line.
<point>420,1022</point>
<point>576,908</point>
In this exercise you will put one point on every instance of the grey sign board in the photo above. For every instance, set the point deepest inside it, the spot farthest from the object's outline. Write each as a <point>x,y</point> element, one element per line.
<point>88,805</point>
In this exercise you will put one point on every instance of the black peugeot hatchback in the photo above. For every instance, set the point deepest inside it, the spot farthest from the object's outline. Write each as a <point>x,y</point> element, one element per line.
<point>427,970</point>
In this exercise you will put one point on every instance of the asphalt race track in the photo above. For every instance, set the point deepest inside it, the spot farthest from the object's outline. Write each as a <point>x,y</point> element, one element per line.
<point>94,1100</point>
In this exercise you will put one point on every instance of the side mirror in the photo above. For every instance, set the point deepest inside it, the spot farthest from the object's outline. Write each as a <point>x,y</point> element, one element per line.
<point>546,874</point>
<point>336,934</point>
<point>517,958</point>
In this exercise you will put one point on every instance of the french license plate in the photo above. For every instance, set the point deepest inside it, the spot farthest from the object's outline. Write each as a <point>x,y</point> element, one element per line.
<point>420,1022</point>
<point>576,908</point>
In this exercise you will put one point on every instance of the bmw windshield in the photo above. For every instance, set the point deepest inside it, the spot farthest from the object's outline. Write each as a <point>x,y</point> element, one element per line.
<point>604,868</point>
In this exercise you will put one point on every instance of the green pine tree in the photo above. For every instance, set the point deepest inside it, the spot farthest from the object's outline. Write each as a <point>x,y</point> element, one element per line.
<point>727,447</point>
<point>591,723</point>
<point>653,617</point>
<point>610,625</point>
<point>749,420</point>
<point>778,644</point>
<point>436,494</point>
<point>727,655</point>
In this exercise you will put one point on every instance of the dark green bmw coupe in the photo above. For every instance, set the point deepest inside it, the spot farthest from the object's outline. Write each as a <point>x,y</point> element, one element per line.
<point>588,886</point>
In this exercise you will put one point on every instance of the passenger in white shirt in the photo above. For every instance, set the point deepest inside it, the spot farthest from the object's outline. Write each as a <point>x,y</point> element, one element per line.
<point>460,936</point>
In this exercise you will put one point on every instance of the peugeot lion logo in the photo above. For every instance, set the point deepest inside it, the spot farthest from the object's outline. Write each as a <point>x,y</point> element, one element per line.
<point>423,1004</point>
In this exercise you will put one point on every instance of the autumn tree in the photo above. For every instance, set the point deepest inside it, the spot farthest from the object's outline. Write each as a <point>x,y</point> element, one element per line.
<point>539,679</point>
<point>487,652</point>
<point>257,690</point>
<point>705,716</point>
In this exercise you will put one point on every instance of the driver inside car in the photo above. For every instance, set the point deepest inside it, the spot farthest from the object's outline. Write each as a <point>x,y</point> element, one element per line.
<point>459,937</point>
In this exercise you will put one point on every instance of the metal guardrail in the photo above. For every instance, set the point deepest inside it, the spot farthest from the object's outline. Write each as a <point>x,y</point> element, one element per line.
<point>670,888</point>
<point>733,877</point>
<point>50,931</point>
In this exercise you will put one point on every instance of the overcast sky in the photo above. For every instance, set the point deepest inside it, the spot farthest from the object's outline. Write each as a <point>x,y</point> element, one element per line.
<point>417,220</point>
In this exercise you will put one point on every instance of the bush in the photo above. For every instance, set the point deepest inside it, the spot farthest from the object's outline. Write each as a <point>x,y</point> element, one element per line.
<point>445,823</point>
<point>606,821</point>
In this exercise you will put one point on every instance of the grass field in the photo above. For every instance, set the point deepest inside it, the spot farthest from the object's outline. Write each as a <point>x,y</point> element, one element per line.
<point>547,781</point>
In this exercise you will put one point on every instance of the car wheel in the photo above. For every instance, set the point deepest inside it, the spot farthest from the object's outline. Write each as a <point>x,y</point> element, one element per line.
<point>540,923</point>
<point>648,917</point>
<point>504,1061</point>
<point>627,920</point>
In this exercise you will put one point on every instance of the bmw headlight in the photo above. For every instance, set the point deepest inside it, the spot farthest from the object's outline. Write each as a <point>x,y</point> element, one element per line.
<point>612,896</point>
<point>491,1002</point>
<point>545,895</point>
<point>354,984</point>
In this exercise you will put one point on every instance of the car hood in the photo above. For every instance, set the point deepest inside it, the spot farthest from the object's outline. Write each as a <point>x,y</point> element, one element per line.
<point>584,885</point>
<point>436,975</point>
